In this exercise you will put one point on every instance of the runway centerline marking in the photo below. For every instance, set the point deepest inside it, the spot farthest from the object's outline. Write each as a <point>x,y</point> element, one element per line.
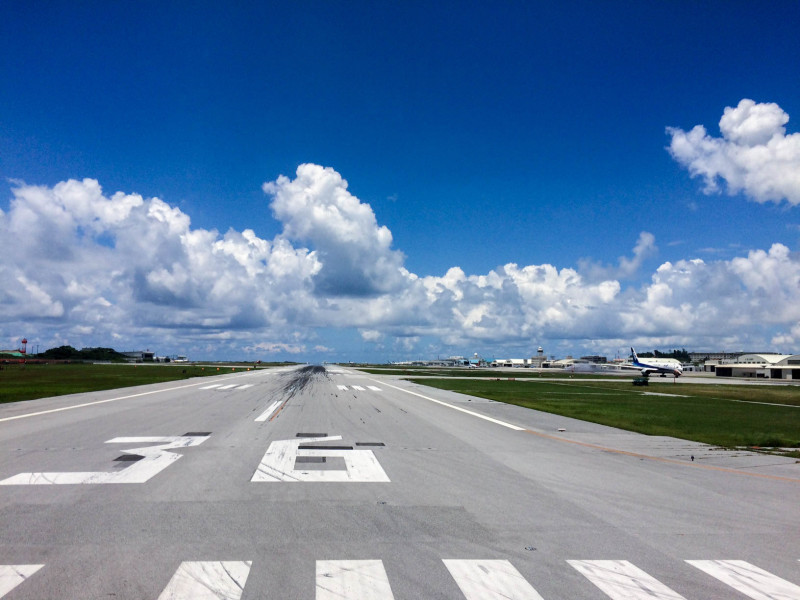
<point>268,413</point>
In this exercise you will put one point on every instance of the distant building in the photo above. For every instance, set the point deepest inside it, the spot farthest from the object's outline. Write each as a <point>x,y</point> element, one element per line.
<point>598,360</point>
<point>759,365</point>
<point>139,356</point>
<point>538,360</point>
<point>511,362</point>
<point>452,361</point>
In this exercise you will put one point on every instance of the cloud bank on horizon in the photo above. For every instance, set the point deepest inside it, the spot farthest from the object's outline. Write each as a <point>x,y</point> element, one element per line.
<point>90,269</point>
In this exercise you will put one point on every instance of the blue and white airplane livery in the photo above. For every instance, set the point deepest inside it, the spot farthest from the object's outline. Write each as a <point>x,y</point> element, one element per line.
<point>665,366</point>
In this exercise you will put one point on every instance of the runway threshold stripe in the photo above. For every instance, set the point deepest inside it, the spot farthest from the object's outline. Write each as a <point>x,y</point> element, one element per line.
<point>227,387</point>
<point>490,580</point>
<point>458,408</point>
<point>342,388</point>
<point>359,388</point>
<point>208,580</point>
<point>268,413</point>
<point>210,387</point>
<point>748,579</point>
<point>356,579</point>
<point>245,386</point>
<point>374,388</point>
<point>622,580</point>
<point>12,575</point>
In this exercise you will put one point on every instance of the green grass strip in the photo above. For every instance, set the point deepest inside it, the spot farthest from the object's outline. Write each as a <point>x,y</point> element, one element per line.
<point>722,415</point>
<point>27,382</point>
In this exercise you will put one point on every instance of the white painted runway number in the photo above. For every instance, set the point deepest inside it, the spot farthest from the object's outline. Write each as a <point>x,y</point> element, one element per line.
<point>286,461</point>
<point>154,460</point>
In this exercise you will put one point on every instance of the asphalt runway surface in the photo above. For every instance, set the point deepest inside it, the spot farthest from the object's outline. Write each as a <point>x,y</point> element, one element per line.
<point>313,483</point>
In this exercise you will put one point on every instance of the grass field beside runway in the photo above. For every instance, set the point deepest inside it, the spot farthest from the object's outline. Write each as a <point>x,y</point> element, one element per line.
<point>723,415</point>
<point>30,381</point>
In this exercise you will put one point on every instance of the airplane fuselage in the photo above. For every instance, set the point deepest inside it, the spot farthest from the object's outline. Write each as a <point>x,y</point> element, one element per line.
<point>663,366</point>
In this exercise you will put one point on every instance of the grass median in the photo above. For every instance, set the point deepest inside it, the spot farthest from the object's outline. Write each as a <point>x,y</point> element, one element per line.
<point>30,381</point>
<point>722,415</point>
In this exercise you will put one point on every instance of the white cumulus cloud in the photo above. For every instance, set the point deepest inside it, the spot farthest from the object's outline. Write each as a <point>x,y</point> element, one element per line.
<point>754,155</point>
<point>354,251</point>
<point>628,267</point>
<point>128,271</point>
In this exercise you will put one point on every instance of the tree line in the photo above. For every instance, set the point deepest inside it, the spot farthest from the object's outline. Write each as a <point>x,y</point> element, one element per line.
<point>70,353</point>
<point>682,355</point>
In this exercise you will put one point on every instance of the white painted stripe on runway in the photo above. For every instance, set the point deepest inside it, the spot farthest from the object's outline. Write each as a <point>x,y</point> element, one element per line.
<point>621,580</point>
<point>458,408</point>
<point>210,387</point>
<point>490,580</point>
<point>373,388</point>
<point>268,413</point>
<point>352,579</point>
<point>208,580</point>
<point>748,579</point>
<point>359,388</point>
<point>227,387</point>
<point>342,388</point>
<point>245,386</point>
<point>85,404</point>
<point>12,575</point>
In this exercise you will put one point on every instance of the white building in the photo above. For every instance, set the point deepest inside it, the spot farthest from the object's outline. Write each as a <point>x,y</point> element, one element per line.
<point>511,362</point>
<point>769,366</point>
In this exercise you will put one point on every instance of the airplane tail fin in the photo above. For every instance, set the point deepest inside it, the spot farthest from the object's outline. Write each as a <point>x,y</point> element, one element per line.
<point>635,358</point>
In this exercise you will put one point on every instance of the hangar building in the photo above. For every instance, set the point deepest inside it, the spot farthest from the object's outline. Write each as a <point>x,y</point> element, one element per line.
<point>770,366</point>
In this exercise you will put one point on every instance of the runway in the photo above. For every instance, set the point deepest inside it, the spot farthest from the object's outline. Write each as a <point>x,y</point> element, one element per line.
<point>301,484</point>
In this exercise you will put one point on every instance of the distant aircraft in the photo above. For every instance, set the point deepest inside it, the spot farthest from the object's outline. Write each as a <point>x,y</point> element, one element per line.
<point>665,366</point>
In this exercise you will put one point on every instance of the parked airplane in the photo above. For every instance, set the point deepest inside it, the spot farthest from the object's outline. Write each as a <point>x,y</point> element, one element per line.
<point>665,366</point>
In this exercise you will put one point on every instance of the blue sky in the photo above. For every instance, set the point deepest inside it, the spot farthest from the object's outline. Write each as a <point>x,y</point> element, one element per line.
<point>478,134</point>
